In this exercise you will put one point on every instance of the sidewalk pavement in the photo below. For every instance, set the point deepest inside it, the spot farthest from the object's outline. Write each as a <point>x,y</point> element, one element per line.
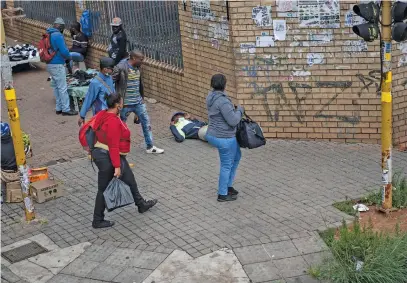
<point>286,191</point>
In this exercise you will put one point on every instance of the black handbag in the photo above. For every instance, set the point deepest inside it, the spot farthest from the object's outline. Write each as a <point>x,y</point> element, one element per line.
<point>249,134</point>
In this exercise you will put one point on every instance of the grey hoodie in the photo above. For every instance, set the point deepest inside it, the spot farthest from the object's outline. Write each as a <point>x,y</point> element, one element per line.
<point>222,115</point>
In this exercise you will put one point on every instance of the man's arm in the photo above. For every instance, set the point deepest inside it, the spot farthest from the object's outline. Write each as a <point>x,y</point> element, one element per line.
<point>90,97</point>
<point>116,74</point>
<point>179,137</point>
<point>61,46</point>
<point>122,49</point>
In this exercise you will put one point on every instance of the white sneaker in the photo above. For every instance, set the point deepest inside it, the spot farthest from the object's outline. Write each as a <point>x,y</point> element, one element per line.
<point>155,150</point>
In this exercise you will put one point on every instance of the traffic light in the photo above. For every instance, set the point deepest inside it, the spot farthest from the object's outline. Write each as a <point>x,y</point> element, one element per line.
<point>399,14</point>
<point>370,12</point>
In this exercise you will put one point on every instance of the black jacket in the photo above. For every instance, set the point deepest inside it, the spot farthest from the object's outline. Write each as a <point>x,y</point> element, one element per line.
<point>8,156</point>
<point>117,47</point>
<point>79,44</point>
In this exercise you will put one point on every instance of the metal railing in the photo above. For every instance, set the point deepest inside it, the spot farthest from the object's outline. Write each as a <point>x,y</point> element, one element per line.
<point>47,11</point>
<point>151,26</point>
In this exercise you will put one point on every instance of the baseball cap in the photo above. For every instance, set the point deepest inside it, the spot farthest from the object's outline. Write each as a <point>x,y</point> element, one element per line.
<point>59,21</point>
<point>106,62</point>
<point>116,22</point>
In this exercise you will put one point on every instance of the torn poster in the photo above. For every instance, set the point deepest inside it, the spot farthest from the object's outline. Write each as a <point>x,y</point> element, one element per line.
<point>219,31</point>
<point>280,29</point>
<point>321,36</point>
<point>351,19</point>
<point>265,41</point>
<point>315,58</point>
<point>319,13</point>
<point>287,6</point>
<point>262,16</point>
<point>247,48</point>
<point>402,61</point>
<point>403,47</point>
<point>355,46</point>
<point>215,43</point>
<point>201,10</point>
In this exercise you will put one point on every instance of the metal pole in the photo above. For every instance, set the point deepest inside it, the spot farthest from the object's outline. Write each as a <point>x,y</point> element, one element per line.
<point>14,118</point>
<point>386,100</point>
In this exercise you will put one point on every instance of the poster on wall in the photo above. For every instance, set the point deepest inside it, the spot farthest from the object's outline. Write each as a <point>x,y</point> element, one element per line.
<point>351,19</point>
<point>265,41</point>
<point>280,29</point>
<point>319,13</point>
<point>355,46</point>
<point>315,58</point>
<point>287,6</point>
<point>201,10</point>
<point>262,16</point>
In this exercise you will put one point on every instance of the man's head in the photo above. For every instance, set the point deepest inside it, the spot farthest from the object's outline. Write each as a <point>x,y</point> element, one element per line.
<point>75,28</point>
<point>116,25</point>
<point>106,66</point>
<point>176,116</point>
<point>59,24</point>
<point>136,58</point>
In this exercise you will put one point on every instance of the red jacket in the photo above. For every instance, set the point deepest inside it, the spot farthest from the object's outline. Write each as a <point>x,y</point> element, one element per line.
<point>111,131</point>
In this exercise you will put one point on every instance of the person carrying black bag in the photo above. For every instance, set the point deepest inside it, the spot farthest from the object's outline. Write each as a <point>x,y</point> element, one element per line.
<point>109,154</point>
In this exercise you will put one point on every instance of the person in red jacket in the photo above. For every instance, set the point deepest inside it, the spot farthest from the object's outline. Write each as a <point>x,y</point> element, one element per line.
<point>109,155</point>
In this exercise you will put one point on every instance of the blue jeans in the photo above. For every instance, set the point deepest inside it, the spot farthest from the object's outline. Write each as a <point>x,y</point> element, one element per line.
<point>229,154</point>
<point>141,111</point>
<point>76,57</point>
<point>58,75</point>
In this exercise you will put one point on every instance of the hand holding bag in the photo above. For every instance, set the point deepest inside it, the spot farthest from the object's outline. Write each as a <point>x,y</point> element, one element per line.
<point>249,134</point>
<point>117,194</point>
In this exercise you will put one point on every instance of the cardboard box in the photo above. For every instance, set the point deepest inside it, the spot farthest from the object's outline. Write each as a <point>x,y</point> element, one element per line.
<point>46,190</point>
<point>13,192</point>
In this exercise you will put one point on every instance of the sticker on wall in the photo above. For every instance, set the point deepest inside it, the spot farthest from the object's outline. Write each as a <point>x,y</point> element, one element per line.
<point>263,33</point>
<point>287,6</point>
<point>247,48</point>
<point>402,61</point>
<point>355,46</point>
<point>315,58</point>
<point>280,29</point>
<point>265,41</point>
<point>196,36</point>
<point>319,13</point>
<point>201,10</point>
<point>262,16</point>
<point>215,43</point>
<point>351,19</point>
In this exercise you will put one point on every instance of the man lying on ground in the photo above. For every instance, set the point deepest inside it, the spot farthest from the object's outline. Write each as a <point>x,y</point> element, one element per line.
<point>184,127</point>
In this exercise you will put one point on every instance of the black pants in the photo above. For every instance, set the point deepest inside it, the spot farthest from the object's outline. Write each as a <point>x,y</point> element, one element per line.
<point>105,175</point>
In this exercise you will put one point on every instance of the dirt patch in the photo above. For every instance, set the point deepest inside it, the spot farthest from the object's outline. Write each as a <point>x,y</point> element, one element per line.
<point>382,222</point>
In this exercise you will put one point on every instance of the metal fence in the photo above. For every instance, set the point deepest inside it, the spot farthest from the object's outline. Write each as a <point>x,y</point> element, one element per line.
<point>47,11</point>
<point>151,26</point>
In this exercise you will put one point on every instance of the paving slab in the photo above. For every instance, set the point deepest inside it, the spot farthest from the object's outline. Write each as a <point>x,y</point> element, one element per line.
<point>80,268</point>
<point>302,279</point>
<point>105,272</point>
<point>262,272</point>
<point>31,272</point>
<point>281,249</point>
<point>251,254</point>
<point>132,275</point>
<point>310,245</point>
<point>63,278</point>
<point>290,267</point>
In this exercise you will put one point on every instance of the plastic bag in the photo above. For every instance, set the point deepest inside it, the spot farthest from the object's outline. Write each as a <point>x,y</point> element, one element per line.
<point>117,194</point>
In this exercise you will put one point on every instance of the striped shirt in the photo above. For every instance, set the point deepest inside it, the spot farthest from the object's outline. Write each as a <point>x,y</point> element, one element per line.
<point>133,87</point>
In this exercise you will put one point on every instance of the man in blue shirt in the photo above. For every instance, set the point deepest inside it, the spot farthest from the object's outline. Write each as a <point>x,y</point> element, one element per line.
<point>99,86</point>
<point>57,70</point>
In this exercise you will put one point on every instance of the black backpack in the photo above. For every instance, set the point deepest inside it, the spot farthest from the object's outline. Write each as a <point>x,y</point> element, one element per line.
<point>249,134</point>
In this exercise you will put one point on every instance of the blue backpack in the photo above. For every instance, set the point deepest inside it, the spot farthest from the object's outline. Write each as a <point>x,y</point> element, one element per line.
<point>86,23</point>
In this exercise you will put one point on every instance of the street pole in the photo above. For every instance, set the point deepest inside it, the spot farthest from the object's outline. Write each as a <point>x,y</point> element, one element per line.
<point>386,100</point>
<point>14,118</point>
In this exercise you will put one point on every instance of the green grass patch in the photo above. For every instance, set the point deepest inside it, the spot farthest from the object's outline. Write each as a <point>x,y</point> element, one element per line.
<point>375,198</point>
<point>361,255</point>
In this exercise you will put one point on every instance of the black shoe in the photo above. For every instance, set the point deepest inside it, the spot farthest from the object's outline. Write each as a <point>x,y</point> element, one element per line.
<point>232,191</point>
<point>102,224</point>
<point>70,113</point>
<point>226,198</point>
<point>58,112</point>
<point>146,205</point>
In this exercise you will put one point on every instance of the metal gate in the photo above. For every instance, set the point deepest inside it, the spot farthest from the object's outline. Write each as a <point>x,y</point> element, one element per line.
<point>47,11</point>
<point>151,26</point>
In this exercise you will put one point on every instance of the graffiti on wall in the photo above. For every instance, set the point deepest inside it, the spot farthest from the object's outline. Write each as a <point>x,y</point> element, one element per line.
<point>275,97</point>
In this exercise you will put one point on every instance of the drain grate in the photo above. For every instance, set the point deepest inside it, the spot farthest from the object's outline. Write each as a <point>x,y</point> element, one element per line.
<point>23,252</point>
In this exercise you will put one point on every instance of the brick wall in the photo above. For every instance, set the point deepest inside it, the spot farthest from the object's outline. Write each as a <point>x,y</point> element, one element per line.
<point>318,83</point>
